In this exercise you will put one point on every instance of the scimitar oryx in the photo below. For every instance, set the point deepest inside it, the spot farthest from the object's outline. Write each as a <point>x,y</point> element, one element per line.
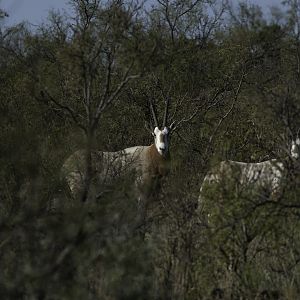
<point>264,176</point>
<point>148,163</point>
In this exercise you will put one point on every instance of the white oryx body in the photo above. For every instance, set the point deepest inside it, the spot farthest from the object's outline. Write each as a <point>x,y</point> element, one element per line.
<point>147,163</point>
<point>267,174</point>
<point>144,161</point>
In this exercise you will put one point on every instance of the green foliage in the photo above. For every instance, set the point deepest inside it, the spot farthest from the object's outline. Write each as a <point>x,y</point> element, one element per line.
<point>233,80</point>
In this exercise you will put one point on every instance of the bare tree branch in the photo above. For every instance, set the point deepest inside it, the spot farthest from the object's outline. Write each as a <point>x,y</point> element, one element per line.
<point>229,110</point>
<point>75,116</point>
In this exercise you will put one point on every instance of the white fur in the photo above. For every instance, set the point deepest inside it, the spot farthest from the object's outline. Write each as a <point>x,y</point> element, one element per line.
<point>106,166</point>
<point>267,174</point>
<point>264,174</point>
<point>295,149</point>
<point>161,140</point>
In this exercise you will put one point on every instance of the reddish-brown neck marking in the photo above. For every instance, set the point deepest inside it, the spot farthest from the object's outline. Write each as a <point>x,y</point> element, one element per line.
<point>159,164</point>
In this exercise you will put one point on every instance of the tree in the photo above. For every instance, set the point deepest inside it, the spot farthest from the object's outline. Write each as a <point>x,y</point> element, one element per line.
<point>88,60</point>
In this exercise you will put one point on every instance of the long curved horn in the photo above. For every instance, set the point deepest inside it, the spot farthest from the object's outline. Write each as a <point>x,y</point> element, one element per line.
<point>166,112</point>
<point>153,113</point>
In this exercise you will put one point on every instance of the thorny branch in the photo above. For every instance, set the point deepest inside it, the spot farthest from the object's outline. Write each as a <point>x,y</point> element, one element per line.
<point>229,110</point>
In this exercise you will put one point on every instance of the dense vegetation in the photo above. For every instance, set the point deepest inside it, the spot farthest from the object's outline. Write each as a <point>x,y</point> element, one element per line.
<point>83,80</point>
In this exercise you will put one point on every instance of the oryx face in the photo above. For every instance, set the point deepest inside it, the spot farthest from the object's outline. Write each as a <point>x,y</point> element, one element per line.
<point>295,149</point>
<point>161,137</point>
<point>161,140</point>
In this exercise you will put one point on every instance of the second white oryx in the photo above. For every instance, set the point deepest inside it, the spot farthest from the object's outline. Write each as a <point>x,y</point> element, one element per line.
<point>265,176</point>
<point>148,163</point>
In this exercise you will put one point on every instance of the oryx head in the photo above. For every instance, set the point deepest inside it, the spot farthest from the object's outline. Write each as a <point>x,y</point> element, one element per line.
<point>161,140</point>
<point>161,134</point>
<point>295,148</point>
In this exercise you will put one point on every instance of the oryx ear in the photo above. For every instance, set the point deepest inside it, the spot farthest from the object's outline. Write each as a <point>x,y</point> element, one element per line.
<point>156,131</point>
<point>166,130</point>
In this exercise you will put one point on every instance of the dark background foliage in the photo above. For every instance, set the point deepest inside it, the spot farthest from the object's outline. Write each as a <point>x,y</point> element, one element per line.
<point>84,81</point>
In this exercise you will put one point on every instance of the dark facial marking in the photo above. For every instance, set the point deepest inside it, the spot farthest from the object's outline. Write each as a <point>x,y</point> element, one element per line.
<point>161,138</point>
